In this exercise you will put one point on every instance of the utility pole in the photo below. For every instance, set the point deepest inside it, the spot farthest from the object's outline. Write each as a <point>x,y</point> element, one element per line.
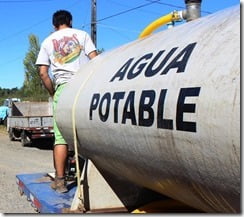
<point>94,21</point>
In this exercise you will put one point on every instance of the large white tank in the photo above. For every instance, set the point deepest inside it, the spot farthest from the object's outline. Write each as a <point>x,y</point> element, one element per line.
<point>164,112</point>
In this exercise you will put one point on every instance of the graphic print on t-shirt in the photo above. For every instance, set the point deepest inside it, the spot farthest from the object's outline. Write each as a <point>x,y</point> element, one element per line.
<point>67,49</point>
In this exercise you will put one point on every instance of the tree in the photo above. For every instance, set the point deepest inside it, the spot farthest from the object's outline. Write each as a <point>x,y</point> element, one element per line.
<point>32,87</point>
<point>8,93</point>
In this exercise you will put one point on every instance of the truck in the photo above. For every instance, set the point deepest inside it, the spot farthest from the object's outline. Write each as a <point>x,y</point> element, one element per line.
<point>28,121</point>
<point>154,124</point>
<point>4,109</point>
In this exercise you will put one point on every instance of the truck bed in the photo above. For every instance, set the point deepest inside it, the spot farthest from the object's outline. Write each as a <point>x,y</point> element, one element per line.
<point>31,109</point>
<point>28,122</point>
<point>31,115</point>
<point>43,198</point>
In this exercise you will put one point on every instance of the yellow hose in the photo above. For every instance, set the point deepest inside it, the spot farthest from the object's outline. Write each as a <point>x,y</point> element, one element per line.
<point>174,16</point>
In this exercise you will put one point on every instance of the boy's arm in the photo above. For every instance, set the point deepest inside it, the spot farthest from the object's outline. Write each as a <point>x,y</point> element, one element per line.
<point>43,72</point>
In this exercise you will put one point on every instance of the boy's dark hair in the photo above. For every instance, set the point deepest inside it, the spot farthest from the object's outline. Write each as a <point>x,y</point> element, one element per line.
<point>62,17</point>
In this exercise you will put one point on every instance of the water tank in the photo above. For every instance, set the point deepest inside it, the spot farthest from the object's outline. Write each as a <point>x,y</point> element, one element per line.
<point>164,112</point>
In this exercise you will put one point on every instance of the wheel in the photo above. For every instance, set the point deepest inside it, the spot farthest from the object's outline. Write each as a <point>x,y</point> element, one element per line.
<point>11,134</point>
<point>14,134</point>
<point>25,140</point>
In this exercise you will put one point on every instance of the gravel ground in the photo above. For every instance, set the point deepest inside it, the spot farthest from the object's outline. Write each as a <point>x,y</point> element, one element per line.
<point>15,159</point>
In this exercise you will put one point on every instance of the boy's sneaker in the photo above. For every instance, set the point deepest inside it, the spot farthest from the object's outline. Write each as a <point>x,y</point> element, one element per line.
<point>59,185</point>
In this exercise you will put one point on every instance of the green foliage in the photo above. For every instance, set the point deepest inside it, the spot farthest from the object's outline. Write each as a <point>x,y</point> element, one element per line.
<point>32,87</point>
<point>8,93</point>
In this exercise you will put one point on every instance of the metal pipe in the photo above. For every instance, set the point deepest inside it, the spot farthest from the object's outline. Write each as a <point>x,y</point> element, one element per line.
<point>193,9</point>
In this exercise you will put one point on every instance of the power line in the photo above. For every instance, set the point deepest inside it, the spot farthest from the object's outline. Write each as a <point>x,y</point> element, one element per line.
<point>126,11</point>
<point>117,28</point>
<point>27,28</point>
<point>117,31</point>
<point>11,61</point>
<point>23,1</point>
<point>127,6</point>
<point>31,26</point>
<point>23,30</point>
<point>141,6</point>
<point>123,12</point>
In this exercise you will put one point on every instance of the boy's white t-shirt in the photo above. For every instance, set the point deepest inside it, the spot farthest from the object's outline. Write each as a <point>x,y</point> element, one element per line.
<point>65,51</point>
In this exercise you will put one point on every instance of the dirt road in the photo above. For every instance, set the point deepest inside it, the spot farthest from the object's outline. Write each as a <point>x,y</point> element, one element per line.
<point>15,159</point>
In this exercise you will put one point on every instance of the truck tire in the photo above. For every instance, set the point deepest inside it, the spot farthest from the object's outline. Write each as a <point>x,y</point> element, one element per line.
<point>11,134</point>
<point>25,140</point>
<point>14,134</point>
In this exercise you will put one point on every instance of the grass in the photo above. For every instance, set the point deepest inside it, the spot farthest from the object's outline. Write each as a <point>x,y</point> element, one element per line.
<point>3,129</point>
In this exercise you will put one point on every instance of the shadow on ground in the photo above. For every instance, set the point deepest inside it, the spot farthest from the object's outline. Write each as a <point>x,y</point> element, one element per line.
<point>44,144</point>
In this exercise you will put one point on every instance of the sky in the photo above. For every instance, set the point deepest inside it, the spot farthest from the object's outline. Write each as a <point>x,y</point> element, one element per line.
<point>118,22</point>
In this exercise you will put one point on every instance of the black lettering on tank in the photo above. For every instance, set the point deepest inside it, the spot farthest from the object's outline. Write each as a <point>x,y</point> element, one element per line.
<point>94,104</point>
<point>146,107</point>
<point>131,74</point>
<point>129,109</point>
<point>117,97</point>
<point>182,108</point>
<point>105,102</point>
<point>161,122</point>
<point>180,60</point>
<point>122,71</point>
<point>131,70</point>
<point>150,71</point>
